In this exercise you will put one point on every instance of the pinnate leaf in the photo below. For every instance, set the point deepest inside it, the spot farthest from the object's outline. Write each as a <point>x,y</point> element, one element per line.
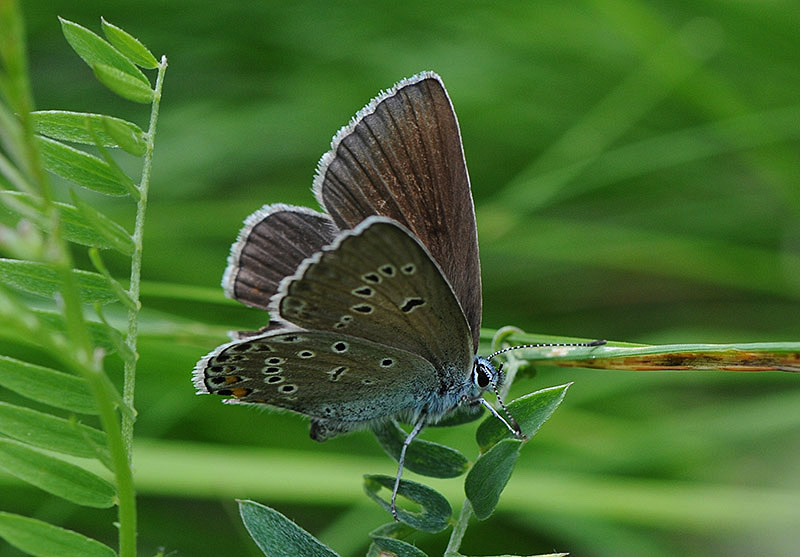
<point>94,50</point>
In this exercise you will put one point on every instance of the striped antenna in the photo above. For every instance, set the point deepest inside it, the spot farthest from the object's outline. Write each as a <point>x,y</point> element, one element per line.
<point>547,345</point>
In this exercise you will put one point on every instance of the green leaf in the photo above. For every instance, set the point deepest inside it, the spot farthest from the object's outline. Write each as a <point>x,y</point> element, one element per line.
<point>41,539</point>
<point>80,168</point>
<point>422,457</point>
<point>94,50</point>
<point>110,231</point>
<point>55,476</point>
<point>388,541</point>
<point>122,294</point>
<point>50,432</point>
<point>489,476</point>
<point>128,139</point>
<point>71,126</point>
<point>123,84</point>
<point>436,511</point>
<point>47,385</point>
<point>74,226</point>
<point>390,547</point>
<point>44,280</point>
<point>129,46</point>
<point>277,535</point>
<point>530,412</point>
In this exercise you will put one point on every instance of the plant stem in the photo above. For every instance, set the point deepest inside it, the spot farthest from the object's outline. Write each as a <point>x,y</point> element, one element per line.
<point>125,487</point>
<point>459,530</point>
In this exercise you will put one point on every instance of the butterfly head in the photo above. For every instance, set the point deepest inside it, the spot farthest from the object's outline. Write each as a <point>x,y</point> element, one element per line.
<point>485,377</point>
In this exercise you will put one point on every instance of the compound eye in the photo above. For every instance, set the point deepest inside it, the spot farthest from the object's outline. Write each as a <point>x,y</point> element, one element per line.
<point>482,376</point>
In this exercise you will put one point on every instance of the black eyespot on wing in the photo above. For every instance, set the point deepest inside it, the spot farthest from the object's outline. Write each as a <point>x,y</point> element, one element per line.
<point>412,303</point>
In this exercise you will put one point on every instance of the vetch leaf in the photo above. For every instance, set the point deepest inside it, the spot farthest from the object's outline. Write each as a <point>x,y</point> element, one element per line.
<point>123,178</point>
<point>122,294</point>
<point>50,432</point>
<point>81,168</point>
<point>123,84</point>
<point>44,280</point>
<point>276,535</point>
<point>55,476</point>
<point>74,226</point>
<point>489,476</point>
<point>128,139</point>
<point>129,46</point>
<point>436,511</point>
<point>47,385</point>
<point>387,541</point>
<point>530,411</point>
<point>71,126</point>
<point>94,50</point>
<point>110,231</point>
<point>386,547</point>
<point>422,457</point>
<point>41,539</point>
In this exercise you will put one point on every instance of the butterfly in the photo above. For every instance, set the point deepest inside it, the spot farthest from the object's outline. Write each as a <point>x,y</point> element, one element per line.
<point>375,302</point>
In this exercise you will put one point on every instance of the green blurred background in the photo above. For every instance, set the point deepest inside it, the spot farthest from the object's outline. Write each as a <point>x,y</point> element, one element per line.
<point>636,172</point>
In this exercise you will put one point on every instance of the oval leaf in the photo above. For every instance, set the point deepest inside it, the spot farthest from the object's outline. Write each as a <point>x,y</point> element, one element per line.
<point>94,50</point>
<point>530,411</point>
<point>71,126</point>
<point>129,46</point>
<point>385,547</point>
<point>80,168</point>
<point>44,280</point>
<point>52,433</point>
<point>47,385</point>
<point>277,535</point>
<point>124,85</point>
<point>55,476</point>
<point>436,510</point>
<point>422,457</point>
<point>489,476</point>
<point>130,140</point>
<point>41,539</point>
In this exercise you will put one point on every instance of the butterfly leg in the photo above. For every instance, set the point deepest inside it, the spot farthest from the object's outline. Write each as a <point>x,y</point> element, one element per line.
<point>401,461</point>
<point>515,430</point>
